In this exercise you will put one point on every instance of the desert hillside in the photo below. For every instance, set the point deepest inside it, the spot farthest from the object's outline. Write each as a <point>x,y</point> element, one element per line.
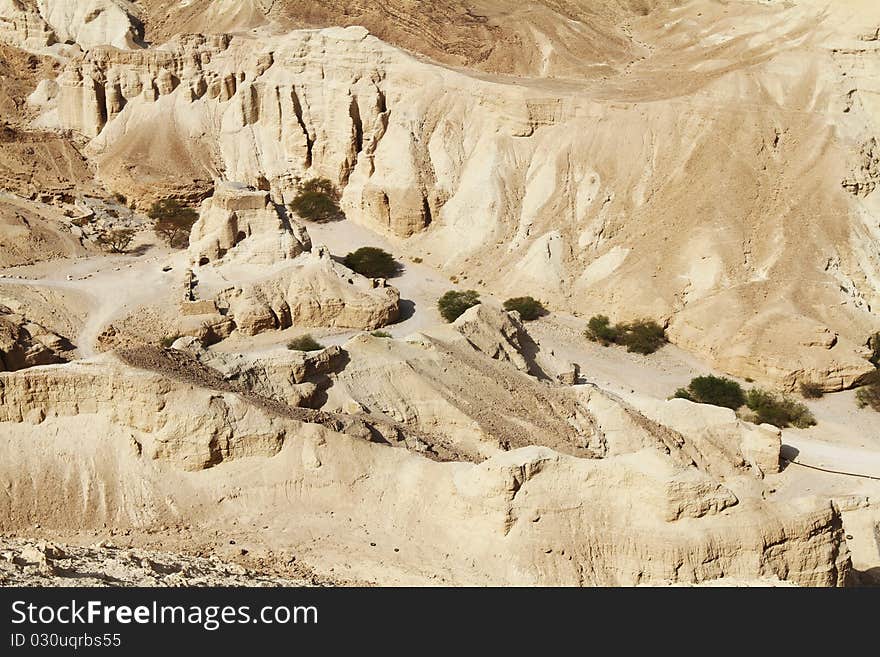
<point>707,167</point>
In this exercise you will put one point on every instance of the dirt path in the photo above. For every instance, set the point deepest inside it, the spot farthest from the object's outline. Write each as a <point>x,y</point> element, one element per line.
<point>113,284</point>
<point>839,458</point>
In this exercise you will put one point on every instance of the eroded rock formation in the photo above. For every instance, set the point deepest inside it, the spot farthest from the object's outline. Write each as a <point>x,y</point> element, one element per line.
<point>554,519</point>
<point>478,171</point>
<point>25,344</point>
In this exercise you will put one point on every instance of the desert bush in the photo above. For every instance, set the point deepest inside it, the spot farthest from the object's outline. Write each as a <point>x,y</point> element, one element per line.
<point>372,262</point>
<point>452,304</point>
<point>168,340</point>
<point>715,390</point>
<point>528,308</point>
<point>810,390</point>
<point>417,260</point>
<point>780,411</point>
<point>172,221</point>
<point>869,396</point>
<point>643,336</point>
<point>304,343</point>
<point>317,201</point>
<point>116,240</point>
<point>380,334</point>
<point>599,329</point>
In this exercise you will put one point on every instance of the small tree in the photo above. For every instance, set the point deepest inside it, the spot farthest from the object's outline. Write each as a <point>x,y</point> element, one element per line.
<point>869,396</point>
<point>452,304</point>
<point>304,343</point>
<point>779,411</point>
<point>116,240</point>
<point>173,221</point>
<point>642,336</point>
<point>599,330</point>
<point>715,390</point>
<point>529,308</point>
<point>317,201</point>
<point>372,262</point>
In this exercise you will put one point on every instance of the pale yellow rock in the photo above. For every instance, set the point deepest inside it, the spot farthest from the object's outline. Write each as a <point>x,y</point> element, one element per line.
<point>241,224</point>
<point>528,516</point>
<point>494,332</point>
<point>27,344</point>
<point>312,290</point>
<point>521,184</point>
<point>761,446</point>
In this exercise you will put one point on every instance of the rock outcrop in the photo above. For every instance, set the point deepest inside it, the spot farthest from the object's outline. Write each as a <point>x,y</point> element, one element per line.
<point>292,377</point>
<point>26,344</point>
<point>713,438</point>
<point>494,332</point>
<point>237,224</point>
<point>38,25</point>
<point>281,281</point>
<point>312,290</point>
<point>528,516</point>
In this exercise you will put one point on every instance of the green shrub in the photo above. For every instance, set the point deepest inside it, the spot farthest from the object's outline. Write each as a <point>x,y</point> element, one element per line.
<point>528,308</point>
<point>168,340</point>
<point>715,390</point>
<point>780,411</point>
<point>452,304</point>
<point>317,201</point>
<point>869,396</point>
<point>643,336</point>
<point>304,343</point>
<point>810,390</point>
<point>371,262</point>
<point>599,329</point>
<point>381,334</point>
<point>173,221</point>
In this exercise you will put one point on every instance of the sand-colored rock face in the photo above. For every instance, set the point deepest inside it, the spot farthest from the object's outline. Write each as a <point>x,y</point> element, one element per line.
<point>38,25</point>
<point>242,236</point>
<point>525,186</point>
<point>493,332</point>
<point>238,224</point>
<point>712,166</point>
<point>40,563</point>
<point>156,413</point>
<point>313,290</point>
<point>636,518</point>
<point>24,343</point>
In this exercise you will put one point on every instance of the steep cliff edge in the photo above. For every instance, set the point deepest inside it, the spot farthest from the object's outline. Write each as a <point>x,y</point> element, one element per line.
<point>130,448</point>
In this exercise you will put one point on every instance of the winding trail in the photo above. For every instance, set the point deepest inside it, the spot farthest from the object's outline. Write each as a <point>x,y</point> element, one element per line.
<point>111,284</point>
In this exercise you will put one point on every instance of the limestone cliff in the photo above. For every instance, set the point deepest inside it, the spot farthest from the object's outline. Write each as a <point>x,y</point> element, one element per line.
<point>617,196</point>
<point>115,446</point>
